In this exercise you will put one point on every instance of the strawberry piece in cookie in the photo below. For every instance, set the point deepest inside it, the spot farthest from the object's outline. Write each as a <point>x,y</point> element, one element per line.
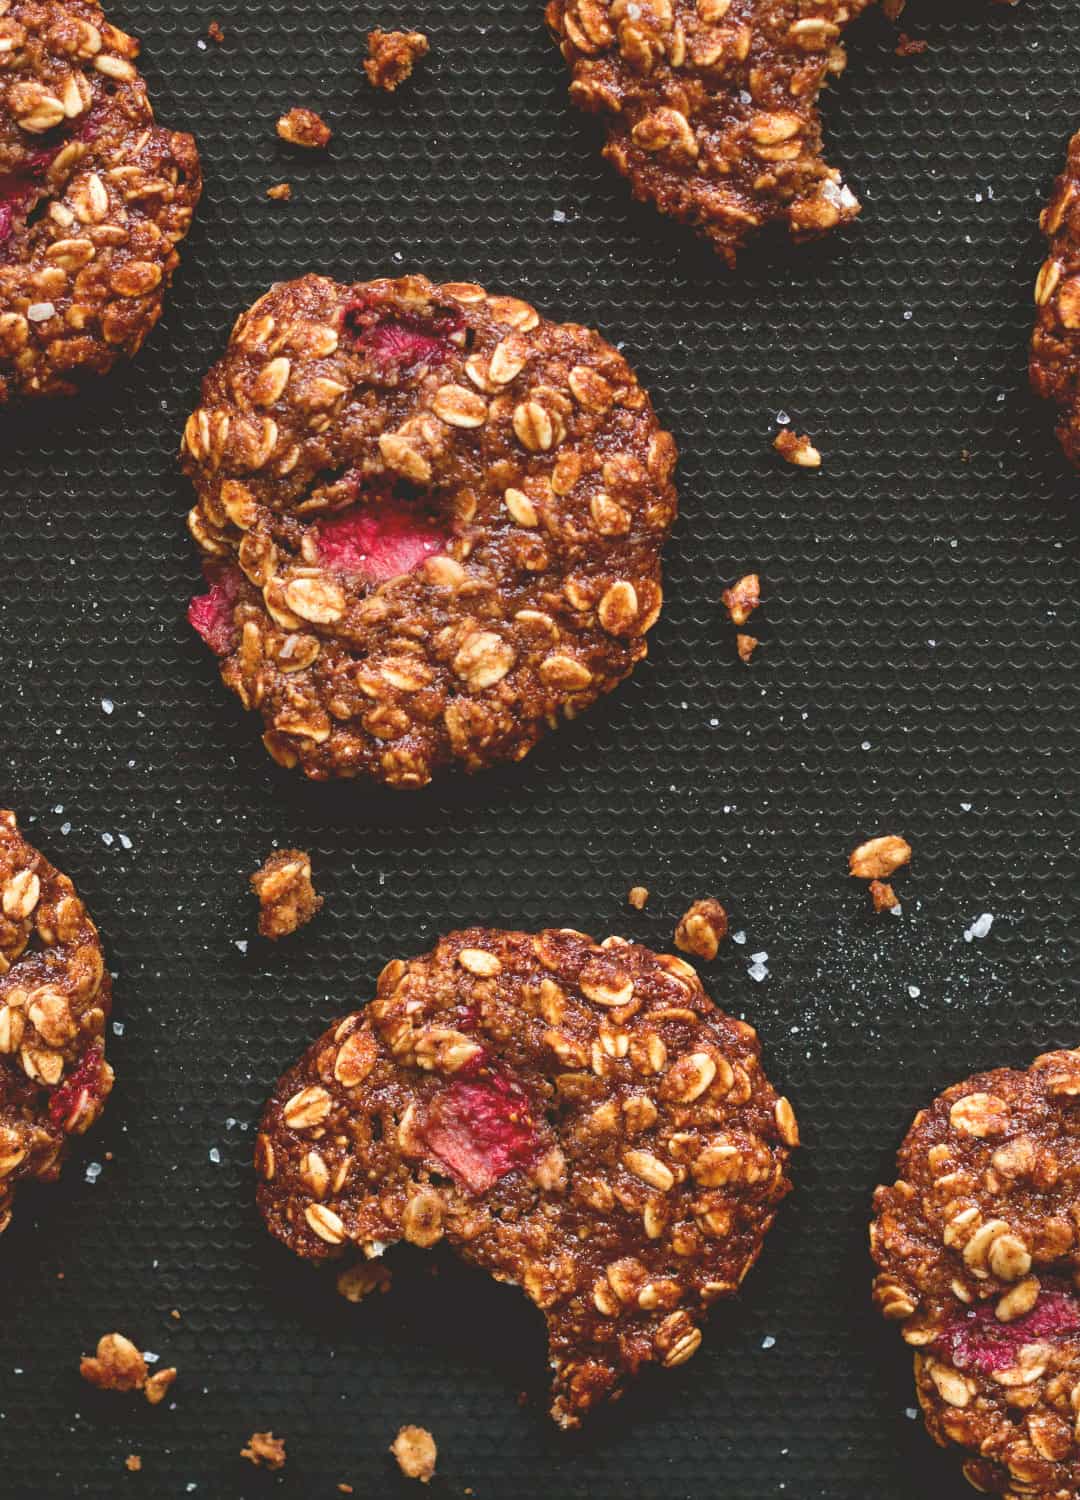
<point>575,1118</point>
<point>212,614</point>
<point>380,542</point>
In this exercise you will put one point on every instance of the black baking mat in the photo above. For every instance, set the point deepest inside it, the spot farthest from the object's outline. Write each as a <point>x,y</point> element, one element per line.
<point>920,674</point>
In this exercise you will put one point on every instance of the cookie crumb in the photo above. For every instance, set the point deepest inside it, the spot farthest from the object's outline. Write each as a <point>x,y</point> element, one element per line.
<point>702,928</point>
<point>742,598</point>
<point>281,192</point>
<point>116,1366</point>
<point>287,898</point>
<point>345,1489</point>
<point>878,858</point>
<point>637,896</point>
<point>883,895</point>
<point>215,33</point>
<point>265,1451</point>
<point>157,1387</point>
<point>303,127</point>
<point>392,56</point>
<point>415,1451</point>
<point>909,46</point>
<point>796,448</point>
<point>359,1281</point>
<point>133,1463</point>
<point>746,645</point>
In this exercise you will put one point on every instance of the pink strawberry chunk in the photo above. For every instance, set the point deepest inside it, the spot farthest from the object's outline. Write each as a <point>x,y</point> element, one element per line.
<point>212,614</point>
<point>976,1339</point>
<point>81,1087</point>
<point>399,340</point>
<point>379,542</point>
<point>481,1129</point>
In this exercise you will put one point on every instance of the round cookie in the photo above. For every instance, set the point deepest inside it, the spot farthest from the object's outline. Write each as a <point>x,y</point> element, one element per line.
<point>435,521</point>
<point>1055,345</point>
<point>55,996</point>
<point>575,1118</point>
<point>94,198</point>
<point>710,106</point>
<point>978,1249</point>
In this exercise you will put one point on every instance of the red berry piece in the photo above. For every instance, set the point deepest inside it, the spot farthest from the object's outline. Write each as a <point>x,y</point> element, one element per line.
<point>382,541</point>
<point>82,1088</point>
<point>480,1130</point>
<point>212,614</point>
<point>977,1340</point>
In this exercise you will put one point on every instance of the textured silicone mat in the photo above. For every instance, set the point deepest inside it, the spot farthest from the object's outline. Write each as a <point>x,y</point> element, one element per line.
<point>920,674</point>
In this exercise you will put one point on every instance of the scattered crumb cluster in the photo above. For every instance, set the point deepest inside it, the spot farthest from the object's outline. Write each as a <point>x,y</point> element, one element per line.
<point>119,1366</point>
<point>740,601</point>
<point>875,861</point>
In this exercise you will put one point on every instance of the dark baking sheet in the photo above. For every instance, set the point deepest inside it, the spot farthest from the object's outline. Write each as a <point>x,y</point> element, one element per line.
<point>920,674</point>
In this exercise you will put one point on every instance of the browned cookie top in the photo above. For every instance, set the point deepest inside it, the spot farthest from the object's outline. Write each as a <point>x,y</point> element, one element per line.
<point>576,1118</point>
<point>55,997</point>
<point>978,1245</point>
<point>93,197</point>
<point>434,520</point>
<point>711,106</point>
<point>1055,347</point>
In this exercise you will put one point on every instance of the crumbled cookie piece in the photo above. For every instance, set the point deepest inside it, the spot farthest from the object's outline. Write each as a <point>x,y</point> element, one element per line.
<point>976,1248</point>
<point>157,1386</point>
<point>95,197</point>
<point>303,127</point>
<point>711,107</point>
<point>637,896</point>
<point>537,1081</point>
<point>392,56</point>
<point>265,1451</point>
<point>287,898</point>
<point>742,598</point>
<point>133,1463</point>
<point>281,192</point>
<point>746,645</point>
<point>358,1281</point>
<point>883,896</point>
<point>796,448</point>
<point>215,33</point>
<point>702,928</point>
<point>878,858</point>
<point>448,579</point>
<point>116,1366</point>
<point>415,1451</point>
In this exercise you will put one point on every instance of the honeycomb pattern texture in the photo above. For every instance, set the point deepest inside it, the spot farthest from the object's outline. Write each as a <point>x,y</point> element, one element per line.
<point>919,674</point>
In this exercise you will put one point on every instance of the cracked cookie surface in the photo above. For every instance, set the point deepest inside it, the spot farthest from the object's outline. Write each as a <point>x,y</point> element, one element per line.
<point>94,198</point>
<point>576,1118</point>
<point>710,106</point>
<point>1055,347</point>
<point>433,521</point>
<point>978,1249</point>
<point>55,997</point>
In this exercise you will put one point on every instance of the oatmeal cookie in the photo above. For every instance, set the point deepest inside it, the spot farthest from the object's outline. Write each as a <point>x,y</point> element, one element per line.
<point>710,106</point>
<point>1055,346</point>
<point>55,996</point>
<point>433,522</point>
<point>573,1117</point>
<point>978,1252</point>
<point>94,198</point>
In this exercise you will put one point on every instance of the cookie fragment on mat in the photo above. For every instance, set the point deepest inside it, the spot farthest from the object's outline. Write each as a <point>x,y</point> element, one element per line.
<point>702,928</point>
<point>303,127</point>
<point>575,1117</point>
<point>55,998</point>
<point>797,449</point>
<point>392,56</point>
<point>287,898</point>
<point>95,197</point>
<point>710,107</point>
<point>416,1453</point>
<point>433,522</point>
<point>976,1248</point>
